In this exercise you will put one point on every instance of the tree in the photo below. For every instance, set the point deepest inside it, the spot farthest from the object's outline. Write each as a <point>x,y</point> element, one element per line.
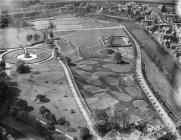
<point>3,76</point>
<point>36,37</point>
<point>51,25</point>
<point>168,136</point>
<point>29,37</point>
<point>39,128</point>
<point>2,64</point>
<point>101,128</point>
<point>4,90</point>
<point>43,109</point>
<point>117,58</point>
<point>100,115</point>
<point>51,118</point>
<point>58,137</point>
<point>84,133</point>
<point>13,111</point>
<point>164,8</point>
<point>21,67</point>
<point>61,121</point>
<point>51,34</point>
<point>42,98</point>
<point>56,53</point>
<point>20,103</point>
<point>101,122</point>
<point>110,40</point>
<point>5,19</point>
<point>23,116</point>
<point>46,115</point>
<point>2,136</point>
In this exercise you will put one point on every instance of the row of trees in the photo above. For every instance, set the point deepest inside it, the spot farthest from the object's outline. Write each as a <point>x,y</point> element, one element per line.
<point>5,19</point>
<point>45,113</point>
<point>34,37</point>
<point>5,89</point>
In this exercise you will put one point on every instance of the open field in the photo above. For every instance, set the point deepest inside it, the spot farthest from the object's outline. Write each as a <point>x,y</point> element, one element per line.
<point>104,85</point>
<point>69,22</point>
<point>13,38</point>
<point>49,79</point>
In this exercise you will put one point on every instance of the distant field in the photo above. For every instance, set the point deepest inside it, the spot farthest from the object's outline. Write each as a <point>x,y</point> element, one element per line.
<point>155,1</point>
<point>12,37</point>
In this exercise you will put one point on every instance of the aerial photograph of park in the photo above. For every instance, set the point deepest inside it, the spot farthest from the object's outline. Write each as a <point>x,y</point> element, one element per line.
<point>90,70</point>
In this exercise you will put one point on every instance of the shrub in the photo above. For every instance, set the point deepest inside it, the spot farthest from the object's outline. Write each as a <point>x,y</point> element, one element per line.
<point>84,133</point>
<point>101,128</point>
<point>2,64</point>
<point>20,103</point>
<point>51,118</point>
<point>36,37</point>
<point>21,67</point>
<point>117,58</point>
<point>100,115</point>
<point>61,121</point>
<point>110,40</point>
<point>29,37</point>
<point>24,117</point>
<point>70,129</point>
<point>46,115</point>
<point>4,88</point>
<point>43,109</point>
<point>39,128</point>
<point>13,111</point>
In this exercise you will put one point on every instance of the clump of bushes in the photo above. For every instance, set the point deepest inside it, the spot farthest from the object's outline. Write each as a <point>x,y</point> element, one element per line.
<point>46,114</point>
<point>85,133</point>
<point>19,110</point>
<point>2,65</point>
<point>21,67</point>
<point>103,124</point>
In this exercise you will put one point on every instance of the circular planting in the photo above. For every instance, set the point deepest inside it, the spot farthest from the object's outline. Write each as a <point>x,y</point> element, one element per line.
<point>32,56</point>
<point>106,52</point>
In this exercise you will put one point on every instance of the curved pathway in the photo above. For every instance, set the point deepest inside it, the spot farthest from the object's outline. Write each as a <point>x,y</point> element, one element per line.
<point>157,106</point>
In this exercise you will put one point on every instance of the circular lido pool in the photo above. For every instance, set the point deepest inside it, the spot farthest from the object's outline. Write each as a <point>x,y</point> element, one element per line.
<point>25,58</point>
<point>106,52</point>
<point>32,56</point>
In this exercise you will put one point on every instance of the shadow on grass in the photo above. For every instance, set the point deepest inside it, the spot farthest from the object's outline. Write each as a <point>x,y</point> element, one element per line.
<point>13,92</point>
<point>29,108</point>
<point>15,133</point>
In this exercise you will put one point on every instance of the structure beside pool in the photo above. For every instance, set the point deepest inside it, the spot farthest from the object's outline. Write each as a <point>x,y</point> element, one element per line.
<point>116,41</point>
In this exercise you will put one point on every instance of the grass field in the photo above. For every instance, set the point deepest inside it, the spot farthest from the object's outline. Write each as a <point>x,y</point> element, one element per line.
<point>12,37</point>
<point>50,81</point>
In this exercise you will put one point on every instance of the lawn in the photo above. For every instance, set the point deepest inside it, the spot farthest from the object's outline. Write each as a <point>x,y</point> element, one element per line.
<point>49,79</point>
<point>12,37</point>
